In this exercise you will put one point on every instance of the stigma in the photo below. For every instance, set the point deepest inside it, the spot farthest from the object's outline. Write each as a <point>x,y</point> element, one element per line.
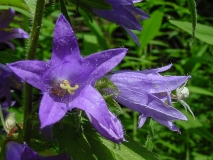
<point>63,88</point>
<point>66,86</point>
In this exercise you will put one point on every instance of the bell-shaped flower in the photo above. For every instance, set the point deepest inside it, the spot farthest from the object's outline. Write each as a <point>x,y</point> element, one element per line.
<point>7,33</point>
<point>17,151</point>
<point>113,133</point>
<point>125,14</point>
<point>8,80</point>
<point>67,80</point>
<point>149,93</point>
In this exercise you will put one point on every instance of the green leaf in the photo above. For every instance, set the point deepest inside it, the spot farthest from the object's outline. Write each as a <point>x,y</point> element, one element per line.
<point>193,11</point>
<point>199,90</point>
<point>87,144</point>
<point>16,3</point>
<point>96,29</point>
<point>130,150</point>
<point>203,32</point>
<point>151,29</point>
<point>31,4</point>
<point>8,58</point>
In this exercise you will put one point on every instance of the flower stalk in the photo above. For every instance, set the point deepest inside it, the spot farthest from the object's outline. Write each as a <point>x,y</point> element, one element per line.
<point>31,50</point>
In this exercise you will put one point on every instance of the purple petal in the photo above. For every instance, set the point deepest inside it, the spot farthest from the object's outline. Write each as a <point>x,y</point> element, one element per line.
<point>15,33</point>
<point>156,70</point>
<point>6,18</point>
<point>169,124</point>
<point>9,44</point>
<point>5,71</point>
<point>92,102</point>
<point>102,62</point>
<point>65,46</point>
<point>141,15</point>
<point>51,112</point>
<point>113,133</point>
<point>120,16</point>
<point>30,71</point>
<point>133,36</point>
<point>148,104</point>
<point>151,83</point>
<point>14,150</point>
<point>141,120</point>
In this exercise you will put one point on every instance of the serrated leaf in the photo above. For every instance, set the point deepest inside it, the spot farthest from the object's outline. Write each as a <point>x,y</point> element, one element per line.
<point>16,3</point>
<point>203,32</point>
<point>193,11</point>
<point>31,4</point>
<point>8,58</point>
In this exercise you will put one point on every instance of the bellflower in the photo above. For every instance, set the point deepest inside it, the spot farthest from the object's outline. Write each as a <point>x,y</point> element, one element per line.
<point>16,151</point>
<point>149,93</point>
<point>7,33</point>
<point>8,79</point>
<point>124,14</point>
<point>67,80</point>
<point>113,133</point>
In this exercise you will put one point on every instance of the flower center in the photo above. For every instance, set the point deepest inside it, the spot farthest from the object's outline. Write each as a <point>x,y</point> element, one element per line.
<point>62,88</point>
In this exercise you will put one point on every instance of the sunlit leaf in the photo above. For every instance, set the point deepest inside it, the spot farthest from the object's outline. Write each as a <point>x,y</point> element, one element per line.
<point>15,3</point>
<point>200,90</point>
<point>203,32</point>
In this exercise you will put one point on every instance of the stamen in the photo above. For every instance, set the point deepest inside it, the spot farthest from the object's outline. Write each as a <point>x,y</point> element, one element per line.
<point>66,86</point>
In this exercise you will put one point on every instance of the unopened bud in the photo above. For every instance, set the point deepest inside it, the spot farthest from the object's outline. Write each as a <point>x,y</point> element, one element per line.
<point>10,122</point>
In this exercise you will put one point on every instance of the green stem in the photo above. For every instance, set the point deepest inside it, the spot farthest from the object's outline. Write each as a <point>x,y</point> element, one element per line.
<point>31,50</point>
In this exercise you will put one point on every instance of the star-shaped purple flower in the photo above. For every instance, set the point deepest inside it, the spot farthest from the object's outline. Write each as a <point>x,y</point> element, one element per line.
<point>125,14</point>
<point>16,151</point>
<point>7,33</point>
<point>67,80</point>
<point>149,93</point>
<point>8,80</point>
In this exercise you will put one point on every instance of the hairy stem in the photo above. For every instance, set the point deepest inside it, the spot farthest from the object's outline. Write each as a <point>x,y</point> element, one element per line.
<point>31,50</point>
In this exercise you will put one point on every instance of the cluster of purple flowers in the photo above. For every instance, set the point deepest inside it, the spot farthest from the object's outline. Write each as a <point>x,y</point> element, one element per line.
<point>7,33</point>
<point>67,80</point>
<point>125,14</point>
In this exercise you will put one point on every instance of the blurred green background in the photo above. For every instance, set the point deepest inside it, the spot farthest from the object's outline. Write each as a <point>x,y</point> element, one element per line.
<point>165,39</point>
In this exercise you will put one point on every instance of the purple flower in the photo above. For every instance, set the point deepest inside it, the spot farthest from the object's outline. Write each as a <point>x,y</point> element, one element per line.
<point>124,14</point>
<point>7,80</point>
<point>67,80</point>
<point>16,151</point>
<point>149,93</point>
<point>7,33</point>
<point>113,133</point>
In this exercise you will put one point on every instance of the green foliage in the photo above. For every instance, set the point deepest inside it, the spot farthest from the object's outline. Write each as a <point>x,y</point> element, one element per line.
<point>151,29</point>
<point>31,4</point>
<point>203,32</point>
<point>8,58</point>
<point>15,3</point>
<point>86,144</point>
